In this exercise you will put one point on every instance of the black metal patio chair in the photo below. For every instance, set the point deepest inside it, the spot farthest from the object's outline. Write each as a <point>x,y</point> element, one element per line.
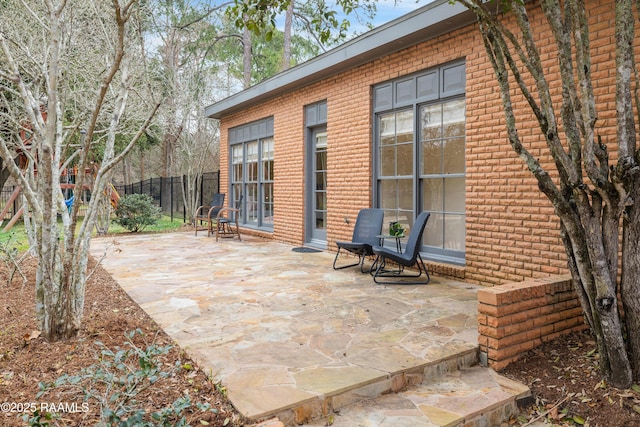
<point>408,258</point>
<point>368,226</point>
<point>206,214</point>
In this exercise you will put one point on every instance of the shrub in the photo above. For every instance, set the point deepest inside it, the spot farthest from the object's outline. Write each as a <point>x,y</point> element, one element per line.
<point>116,384</point>
<point>136,211</point>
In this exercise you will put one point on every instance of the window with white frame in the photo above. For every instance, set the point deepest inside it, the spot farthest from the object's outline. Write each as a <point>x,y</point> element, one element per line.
<point>251,171</point>
<point>420,156</point>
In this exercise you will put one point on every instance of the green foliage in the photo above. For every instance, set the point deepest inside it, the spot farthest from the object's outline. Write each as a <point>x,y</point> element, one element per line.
<point>136,211</point>
<point>266,53</point>
<point>146,142</point>
<point>39,419</point>
<point>115,384</point>
<point>164,224</point>
<point>395,229</point>
<point>319,18</point>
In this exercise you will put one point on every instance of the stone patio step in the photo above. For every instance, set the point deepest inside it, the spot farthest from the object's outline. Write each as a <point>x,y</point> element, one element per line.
<point>450,392</point>
<point>470,397</point>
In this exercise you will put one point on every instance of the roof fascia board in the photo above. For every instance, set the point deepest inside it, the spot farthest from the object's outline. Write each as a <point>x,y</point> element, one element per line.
<point>420,25</point>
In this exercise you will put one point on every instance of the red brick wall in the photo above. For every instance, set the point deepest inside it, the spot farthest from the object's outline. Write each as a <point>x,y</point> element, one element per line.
<point>512,233</point>
<point>516,317</point>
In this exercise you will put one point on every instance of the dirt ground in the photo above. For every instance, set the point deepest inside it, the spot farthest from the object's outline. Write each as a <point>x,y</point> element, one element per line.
<point>26,359</point>
<point>565,381</point>
<point>562,374</point>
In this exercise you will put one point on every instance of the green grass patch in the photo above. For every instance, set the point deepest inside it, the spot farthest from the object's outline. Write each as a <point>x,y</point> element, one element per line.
<point>17,236</point>
<point>163,225</point>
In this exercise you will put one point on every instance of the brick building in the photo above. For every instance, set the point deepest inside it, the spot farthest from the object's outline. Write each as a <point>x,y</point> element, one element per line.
<point>406,117</point>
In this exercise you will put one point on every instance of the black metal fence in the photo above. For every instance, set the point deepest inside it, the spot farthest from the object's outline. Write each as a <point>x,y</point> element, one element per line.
<point>166,193</point>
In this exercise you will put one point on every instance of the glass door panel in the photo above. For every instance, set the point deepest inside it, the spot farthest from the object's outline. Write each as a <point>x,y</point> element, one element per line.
<point>319,176</point>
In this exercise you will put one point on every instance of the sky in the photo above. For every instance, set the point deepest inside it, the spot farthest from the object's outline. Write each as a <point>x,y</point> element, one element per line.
<point>390,9</point>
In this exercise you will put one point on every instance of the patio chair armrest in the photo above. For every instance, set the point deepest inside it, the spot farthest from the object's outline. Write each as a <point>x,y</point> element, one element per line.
<point>200,212</point>
<point>214,209</point>
<point>222,210</point>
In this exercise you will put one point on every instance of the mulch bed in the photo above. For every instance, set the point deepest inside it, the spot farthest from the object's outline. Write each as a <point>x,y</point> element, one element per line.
<point>565,381</point>
<point>26,359</point>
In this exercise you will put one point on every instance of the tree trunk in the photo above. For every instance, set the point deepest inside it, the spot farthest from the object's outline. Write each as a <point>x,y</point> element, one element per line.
<point>191,193</point>
<point>4,172</point>
<point>168,147</point>
<point>103,217</point>
<point>591,209</point>
<point>142,163</point>
<point>286,51</point>
<point>62,246</point>
<point>246,57</point>
<point>126,171</point>
<point>630,280</point>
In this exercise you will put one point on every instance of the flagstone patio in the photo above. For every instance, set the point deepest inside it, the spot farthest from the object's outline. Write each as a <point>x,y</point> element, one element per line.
<point>288,336</point>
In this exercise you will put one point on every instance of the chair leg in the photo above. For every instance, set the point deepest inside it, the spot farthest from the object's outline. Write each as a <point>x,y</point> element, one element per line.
<point>200,226</point>
<point>345,266</point>
<point>196,221</point>
<point>225,229</point>
<point>374,266</point>
<point>381,272</point>
<point>362,270</point>
<point>237,231</point>
<point>221,229</point>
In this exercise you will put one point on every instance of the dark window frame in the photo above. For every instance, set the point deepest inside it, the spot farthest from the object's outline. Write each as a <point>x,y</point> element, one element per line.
<point>436,86</point>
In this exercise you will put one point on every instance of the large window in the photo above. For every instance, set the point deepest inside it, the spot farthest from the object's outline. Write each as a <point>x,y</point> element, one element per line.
<point>420,156</point>
<point>237,171</point>
<point>267,182</point>
<point>396,166</point>
<point>442,174</point>
<point>251,171</point>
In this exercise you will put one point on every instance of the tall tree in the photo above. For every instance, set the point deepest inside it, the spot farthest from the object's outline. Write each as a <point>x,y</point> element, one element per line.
<point>262,59</point>
<point>313,19</point>
<point>187,36</point>
<point>72,64</point>
<point>176,29</point>
<point>597,193</point>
